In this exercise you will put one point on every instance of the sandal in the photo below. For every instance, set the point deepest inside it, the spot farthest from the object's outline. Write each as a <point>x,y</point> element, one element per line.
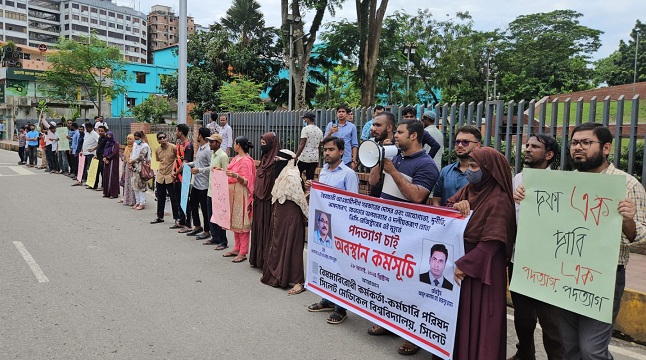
<point>157,221</point>
<point>120,201</point>
<point>378,330</point>
<point>239,259</point>
<point>184,230</point>
<point>220,247</point>
<point>297,289</point>
<point>175,226</point>
<point>408,348</point>
<point>230,254</point>
<point>320,306</point>
<point>336,318</point>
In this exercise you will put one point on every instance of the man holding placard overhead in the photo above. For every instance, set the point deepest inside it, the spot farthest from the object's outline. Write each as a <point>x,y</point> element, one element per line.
<point>590,144</point>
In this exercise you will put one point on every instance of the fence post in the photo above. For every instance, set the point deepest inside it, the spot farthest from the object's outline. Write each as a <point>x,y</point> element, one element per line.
<point>618,124</point>
<point>579,111</point>
<point>606,111</point>
<point>519,134</point>
<point>593,109</point>
<point>565,129</point>
<point>632,145</point>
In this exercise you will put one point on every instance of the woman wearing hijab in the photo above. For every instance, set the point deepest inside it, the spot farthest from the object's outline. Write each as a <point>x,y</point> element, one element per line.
<point>482,323</point>
<point>261,224</point>
<point>111,167</point>
<point>140,154</point>
<point>242,175</point>
<point>126,173</point>
<point>284,261</point>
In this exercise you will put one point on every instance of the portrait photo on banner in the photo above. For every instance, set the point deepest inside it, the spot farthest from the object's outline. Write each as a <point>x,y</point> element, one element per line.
<point>323,229</point>
<point>437,270</point>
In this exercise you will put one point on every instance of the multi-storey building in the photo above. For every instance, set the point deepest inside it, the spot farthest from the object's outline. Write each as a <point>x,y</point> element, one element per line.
<point>163,28</point>
<point>36,22</point>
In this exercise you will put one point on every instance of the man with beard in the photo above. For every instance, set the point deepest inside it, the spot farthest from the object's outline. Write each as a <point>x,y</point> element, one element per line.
<point>219,161</point>
<point>383,132</point>
<point>337,174</point>
<point>99,155</point>
<point>590,144</point>
<point>540,153</point>
<point>452,177</point>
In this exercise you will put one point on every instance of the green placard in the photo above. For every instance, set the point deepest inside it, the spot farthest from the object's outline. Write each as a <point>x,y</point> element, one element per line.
<point>567,245</point>
<point>63,142</point>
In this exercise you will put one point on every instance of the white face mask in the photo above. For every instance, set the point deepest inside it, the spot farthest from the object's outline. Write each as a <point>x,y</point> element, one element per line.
<point>304,123</point>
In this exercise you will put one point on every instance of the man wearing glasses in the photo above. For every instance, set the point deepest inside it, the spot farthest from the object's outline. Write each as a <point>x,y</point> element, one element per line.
<point>584,337</point>
<point>452,177</point>
<point>165,155</point>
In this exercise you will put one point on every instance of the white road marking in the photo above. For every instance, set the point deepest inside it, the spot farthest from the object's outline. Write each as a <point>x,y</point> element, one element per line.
<point>21,170</point>
<point>38,272</point>
<point>613,349</point>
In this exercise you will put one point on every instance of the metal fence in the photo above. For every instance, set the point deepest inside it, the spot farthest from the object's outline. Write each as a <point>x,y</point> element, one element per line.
<point>504,126</point>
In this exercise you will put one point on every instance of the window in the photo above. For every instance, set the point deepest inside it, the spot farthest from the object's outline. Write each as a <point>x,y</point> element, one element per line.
<point>130,102</point>
<point>21,6</point>
<point>67,17</point>
<point>119,16</point>
<point>84,18</point>
<point>75,17</point>
<point>67,26</point>
<point>128,28</point>
<point>111,25</point>
<point>102,12</point>
<point>9,3</point>
<point>127,18</point>
<point>143,33</point>
<point>93,10</point>
<point>135,20</point>
<point>132,38</point>
<point>93,21</point>
<point>110,13</point>
<point>143,23</point>
<point>84,8</point>
<point>15,15</point>
<point>67,6</point>
<point>120,27</point>
<point>102,23</point>
<point>115,35</point>
<point>16,40</point>
<point>136,31</point>
<point>100,32</point>
<point>80,28</point>
<point>75,6</point>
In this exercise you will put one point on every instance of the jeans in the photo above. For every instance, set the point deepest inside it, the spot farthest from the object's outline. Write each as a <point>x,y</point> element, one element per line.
<point>162,190</point>
<point>218,234</point>
<point>586,338</point>
<point>198,199</point>
<point>64,166</point>
<point>21,153</point>
<point>32,153</point>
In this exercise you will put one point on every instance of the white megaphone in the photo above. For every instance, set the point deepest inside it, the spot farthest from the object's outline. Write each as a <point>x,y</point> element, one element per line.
<point>371,153</point>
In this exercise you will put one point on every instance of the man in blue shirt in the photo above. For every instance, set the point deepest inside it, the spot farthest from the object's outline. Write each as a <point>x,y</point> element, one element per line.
<point>334,173</point>
<point>32,145</point>
<point>366,133</point>
<point>347,131</point>
<point>452,177</point>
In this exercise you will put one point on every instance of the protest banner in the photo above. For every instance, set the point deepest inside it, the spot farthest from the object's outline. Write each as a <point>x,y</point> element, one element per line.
<point>568,239</point>
<point>92,172</point>
<point>81,167</point>
<point>63,142</point>
<point>154,144</point>
<point>187,178</point>
<point>373,257</point>
<point>220,199</point>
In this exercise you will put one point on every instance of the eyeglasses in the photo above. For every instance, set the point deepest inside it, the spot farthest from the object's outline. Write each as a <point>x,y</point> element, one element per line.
<point>585,143</point>
<point>464,143</point>
<point>161,138</point>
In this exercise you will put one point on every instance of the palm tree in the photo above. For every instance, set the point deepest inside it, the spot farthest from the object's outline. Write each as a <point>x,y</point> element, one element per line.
<point>244,20</point>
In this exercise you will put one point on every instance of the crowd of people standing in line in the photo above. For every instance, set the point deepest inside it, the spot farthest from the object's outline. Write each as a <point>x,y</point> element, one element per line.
<point>269,208</point>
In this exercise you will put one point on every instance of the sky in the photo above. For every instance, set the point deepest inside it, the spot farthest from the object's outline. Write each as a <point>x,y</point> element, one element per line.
<point>615,18</point>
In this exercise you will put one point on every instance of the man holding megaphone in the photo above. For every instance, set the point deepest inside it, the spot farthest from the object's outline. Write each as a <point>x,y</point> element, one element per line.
<point>382,145</point>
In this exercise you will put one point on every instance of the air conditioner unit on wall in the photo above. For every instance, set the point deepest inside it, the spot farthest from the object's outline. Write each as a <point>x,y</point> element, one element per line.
<point>24,102</point>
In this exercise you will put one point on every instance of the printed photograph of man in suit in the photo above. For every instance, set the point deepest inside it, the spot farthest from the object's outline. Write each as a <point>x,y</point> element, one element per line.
<point>437,261</point>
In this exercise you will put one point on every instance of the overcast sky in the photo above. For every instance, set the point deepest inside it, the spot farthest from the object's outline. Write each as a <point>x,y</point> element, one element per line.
<point>615,18</point>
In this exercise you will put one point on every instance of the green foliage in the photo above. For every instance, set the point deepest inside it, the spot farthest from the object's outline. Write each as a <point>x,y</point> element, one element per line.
<point>639,159</point>
<point>339,89</point>
<point>240,95</point>
<point>42,107</point>
<point>619,67</point>
<point>88,68</point>
<point>152,109</point>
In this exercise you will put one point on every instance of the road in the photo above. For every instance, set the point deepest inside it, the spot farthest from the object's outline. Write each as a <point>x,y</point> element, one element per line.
<point>113,286</point>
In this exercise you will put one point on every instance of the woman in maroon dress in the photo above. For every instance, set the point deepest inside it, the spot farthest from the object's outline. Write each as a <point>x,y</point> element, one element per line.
<point>488,238</point>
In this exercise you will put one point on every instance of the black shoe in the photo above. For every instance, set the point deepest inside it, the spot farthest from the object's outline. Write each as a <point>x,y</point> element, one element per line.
<point>194,232</point>
<point>202,236</point>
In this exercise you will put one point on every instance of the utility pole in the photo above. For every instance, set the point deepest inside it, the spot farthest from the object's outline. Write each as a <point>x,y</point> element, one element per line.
<point>181,70</point>
<point>409,48</point>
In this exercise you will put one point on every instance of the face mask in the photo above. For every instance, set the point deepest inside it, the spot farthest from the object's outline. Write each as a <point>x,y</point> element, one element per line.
<point>265,148</point>
<point>474,176</point>
<point>138,141</point>
<point>304,123</point>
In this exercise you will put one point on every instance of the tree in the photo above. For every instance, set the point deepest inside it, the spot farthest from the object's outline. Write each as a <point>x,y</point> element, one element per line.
<point>152,109</point>
<point>544,54</point>
<point>88,68</point>
<point>303,42</point>
<point>370,17</point>
<point>240,95</point>
<point>339,89</point>
<point>619,67</point>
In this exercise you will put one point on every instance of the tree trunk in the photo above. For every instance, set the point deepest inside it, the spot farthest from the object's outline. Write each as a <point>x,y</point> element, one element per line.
<point>370,18</point>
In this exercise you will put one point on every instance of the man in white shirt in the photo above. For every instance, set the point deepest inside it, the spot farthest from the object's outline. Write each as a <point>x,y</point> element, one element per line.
<point>227,135</point>
<point>428,119</point>
<point>308,148</point>
<point>98,121</point>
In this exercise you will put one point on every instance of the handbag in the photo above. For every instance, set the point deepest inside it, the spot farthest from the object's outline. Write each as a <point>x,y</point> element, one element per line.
<point>147,172</point>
